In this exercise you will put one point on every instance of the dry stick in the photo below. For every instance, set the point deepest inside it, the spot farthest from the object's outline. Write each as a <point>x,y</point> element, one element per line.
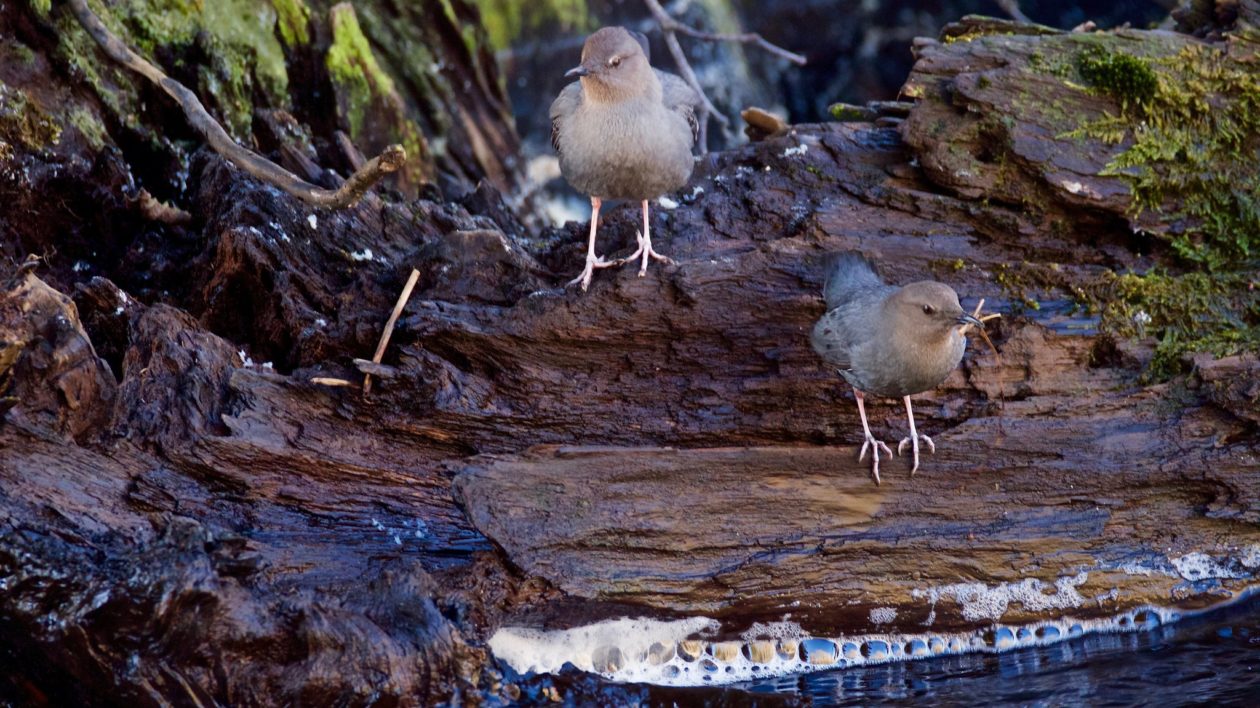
<point>389,326</point>
<point>670,26</point>
<point>354,188</point>
<point>996,355</point>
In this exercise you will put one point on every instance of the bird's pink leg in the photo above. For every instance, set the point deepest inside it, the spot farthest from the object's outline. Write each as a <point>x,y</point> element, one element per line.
<point>645,245</point>
<point>914,439</point>
<point>592,261</point>
<point>870,441</point>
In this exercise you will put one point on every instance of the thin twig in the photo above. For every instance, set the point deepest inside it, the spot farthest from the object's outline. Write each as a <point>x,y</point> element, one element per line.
<point>251,162</point>
<point>669,27</point>
<point>672,25</point>
<point>389,326</point>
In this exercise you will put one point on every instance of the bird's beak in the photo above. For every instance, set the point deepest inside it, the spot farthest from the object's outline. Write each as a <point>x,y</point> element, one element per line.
<point>577,71</point>
<point>966,319</point>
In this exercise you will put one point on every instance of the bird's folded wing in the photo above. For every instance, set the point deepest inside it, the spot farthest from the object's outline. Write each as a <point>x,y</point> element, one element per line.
<point>563,107</point>
<point>680,98</point>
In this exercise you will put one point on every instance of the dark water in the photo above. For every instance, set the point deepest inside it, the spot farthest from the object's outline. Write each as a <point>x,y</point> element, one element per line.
<point>1208,660</point>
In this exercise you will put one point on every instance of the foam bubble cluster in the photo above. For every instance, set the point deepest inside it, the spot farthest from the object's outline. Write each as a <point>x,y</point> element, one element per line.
<point>670,654</point>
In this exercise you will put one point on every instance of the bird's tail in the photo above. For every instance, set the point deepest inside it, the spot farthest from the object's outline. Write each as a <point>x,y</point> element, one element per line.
<point>848,274</point>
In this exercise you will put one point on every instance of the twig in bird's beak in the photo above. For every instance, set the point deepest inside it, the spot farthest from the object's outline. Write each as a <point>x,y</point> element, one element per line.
<point>996,355</point>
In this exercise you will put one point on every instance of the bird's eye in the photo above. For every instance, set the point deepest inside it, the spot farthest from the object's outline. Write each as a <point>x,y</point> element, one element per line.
<point>928,309</point>
<point>614,62</point>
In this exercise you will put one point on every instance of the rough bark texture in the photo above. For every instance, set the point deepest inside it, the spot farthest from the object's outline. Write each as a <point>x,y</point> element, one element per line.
<point>185,516</point>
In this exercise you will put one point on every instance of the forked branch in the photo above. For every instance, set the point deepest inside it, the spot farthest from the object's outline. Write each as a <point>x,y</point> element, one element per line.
<point>671,28</point>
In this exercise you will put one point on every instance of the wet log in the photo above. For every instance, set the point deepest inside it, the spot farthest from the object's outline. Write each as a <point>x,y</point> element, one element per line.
<point>186,514</point>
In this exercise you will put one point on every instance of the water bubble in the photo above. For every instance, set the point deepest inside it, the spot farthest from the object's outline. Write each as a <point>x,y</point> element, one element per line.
<point>851,650</point>
<point>690,649</point>
<point>937,645</point>
<point>725,651</point>
<point>709,665</point>
<point>956,644</point>
<point>1076,629</point>
<point>1003,638</point>
<point>1048,632</point>
<point>1024,633</point>
<point>787,649</point>
<point>819,651</point>
<point>875,650</point>
<point>759,652</point>
<point>917,647</point>
<point>671,671</point>
<point>1146,619</point>
<point>660,653</point>
<point>607,660</point>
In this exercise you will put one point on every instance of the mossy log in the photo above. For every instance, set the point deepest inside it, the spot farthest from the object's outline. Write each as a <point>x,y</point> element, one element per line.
<point>187,516</point>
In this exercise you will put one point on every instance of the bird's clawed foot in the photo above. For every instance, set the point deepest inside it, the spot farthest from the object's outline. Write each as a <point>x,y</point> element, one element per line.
<point>592,262</point>
<point>874,446</point>
<point>914,442</point>
<point>647,252</point>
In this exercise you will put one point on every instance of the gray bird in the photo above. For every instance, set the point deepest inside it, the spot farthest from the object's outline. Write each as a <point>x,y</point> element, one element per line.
<point>889,341</point>
<point>623,130</point>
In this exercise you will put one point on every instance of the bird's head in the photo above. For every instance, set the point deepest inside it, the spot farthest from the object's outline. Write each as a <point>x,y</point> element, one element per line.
<point>929,308</point>
<point>614,65</point>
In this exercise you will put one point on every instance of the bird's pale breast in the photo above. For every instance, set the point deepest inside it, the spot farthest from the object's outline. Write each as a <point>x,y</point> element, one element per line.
<point>631,150</point>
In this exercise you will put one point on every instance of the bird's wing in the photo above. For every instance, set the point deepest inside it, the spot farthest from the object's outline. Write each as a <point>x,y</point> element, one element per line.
<point>563,107</point>
<point>680,98</point>
<point>849,276</point>
<point>830,339</point>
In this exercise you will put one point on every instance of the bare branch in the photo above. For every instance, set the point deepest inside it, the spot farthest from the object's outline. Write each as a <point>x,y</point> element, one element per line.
<point>251,162</point>
<point>669,24</point>
<point>670,27</point>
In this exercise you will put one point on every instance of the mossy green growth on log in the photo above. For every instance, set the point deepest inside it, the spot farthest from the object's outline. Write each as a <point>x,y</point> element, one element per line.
<point>1193,124</point>
<point>292,19</point>
<point>369,101</point>
<point>23,123</point>
<point>1194,312</point>
<point>506,20</point>
<point>246,62</point>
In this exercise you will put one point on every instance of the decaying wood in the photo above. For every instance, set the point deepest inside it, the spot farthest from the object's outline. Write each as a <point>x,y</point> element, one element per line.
<point>182,522</point>
<point>390,160</point>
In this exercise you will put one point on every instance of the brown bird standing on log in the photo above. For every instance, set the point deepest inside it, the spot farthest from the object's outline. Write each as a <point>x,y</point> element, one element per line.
<point>623,131</point>
<point>889,341</point>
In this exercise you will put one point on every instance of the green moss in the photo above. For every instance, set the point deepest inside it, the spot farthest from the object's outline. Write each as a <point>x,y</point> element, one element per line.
<point>1127,78</point>
<point>293,19</point>
<point>1192,161</point>
<point>1016,281</point>
<point>25,123</point>
<point>88,126</point>
<point>43,7</point>
<point>847,112</point>
<point>1195,312</point>
<point>506,20</point>
<point>246,59</point>
<point>353,68</point>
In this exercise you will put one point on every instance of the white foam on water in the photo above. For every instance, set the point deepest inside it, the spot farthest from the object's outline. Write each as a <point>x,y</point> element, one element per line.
<point>651,651</point>
<point>597,647</point>
<point>1201,566</point>
<point>883,615</point>
<point>674,653</point>
<point>980,601</point>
